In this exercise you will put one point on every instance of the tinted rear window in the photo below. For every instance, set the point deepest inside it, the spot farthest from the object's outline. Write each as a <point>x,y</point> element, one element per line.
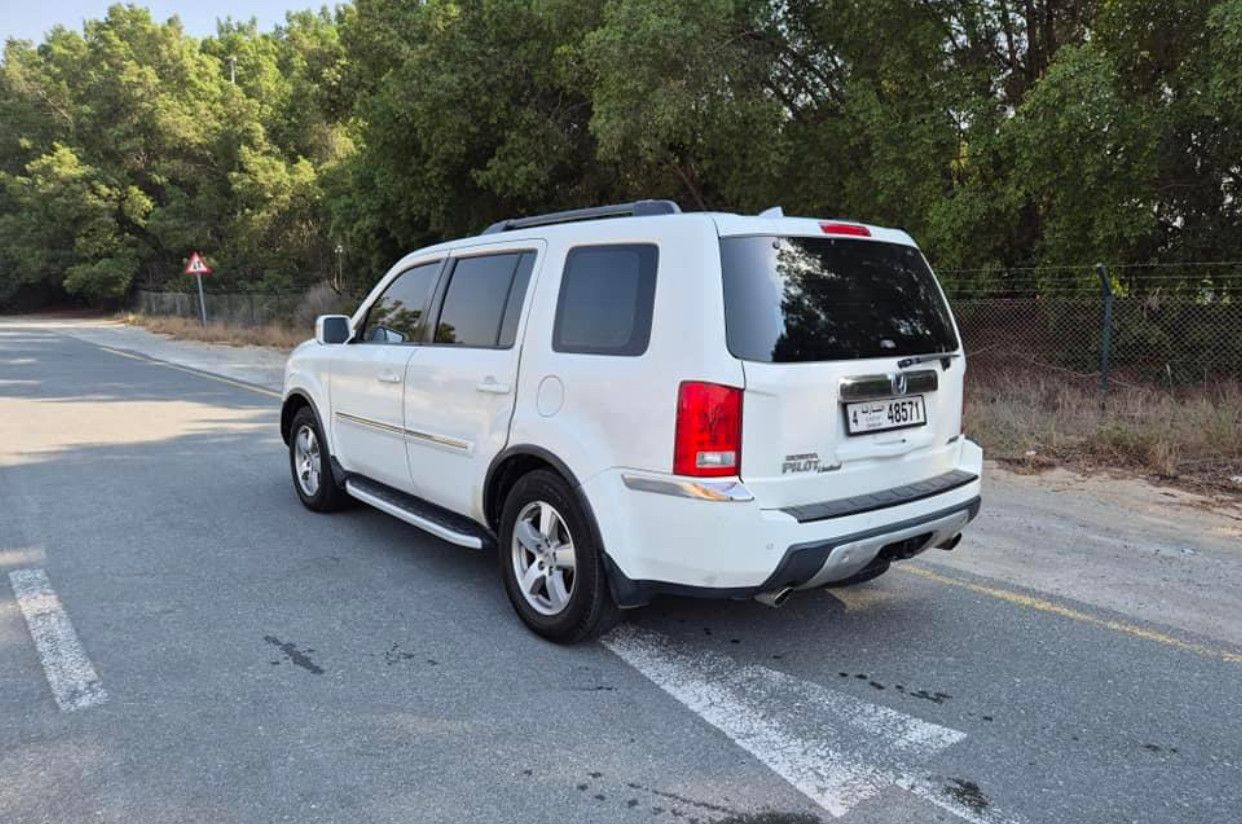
<point>790,300</point>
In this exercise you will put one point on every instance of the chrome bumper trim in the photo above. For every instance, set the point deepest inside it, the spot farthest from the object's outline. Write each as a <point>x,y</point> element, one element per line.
<point>726,491</point>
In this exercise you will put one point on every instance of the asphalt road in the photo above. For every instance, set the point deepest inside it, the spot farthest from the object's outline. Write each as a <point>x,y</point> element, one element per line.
<point>213,652</point>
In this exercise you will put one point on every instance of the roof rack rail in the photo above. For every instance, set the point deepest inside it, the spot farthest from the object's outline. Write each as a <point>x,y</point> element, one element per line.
<point>638,208</point>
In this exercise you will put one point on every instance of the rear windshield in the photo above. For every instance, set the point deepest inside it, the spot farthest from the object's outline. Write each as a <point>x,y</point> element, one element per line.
<point>795,299</point>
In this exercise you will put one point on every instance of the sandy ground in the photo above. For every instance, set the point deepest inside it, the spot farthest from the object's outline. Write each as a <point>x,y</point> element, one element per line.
<point>1161,555</point>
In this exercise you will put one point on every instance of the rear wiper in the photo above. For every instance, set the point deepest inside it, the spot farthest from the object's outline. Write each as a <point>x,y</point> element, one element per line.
<point>940,356</point>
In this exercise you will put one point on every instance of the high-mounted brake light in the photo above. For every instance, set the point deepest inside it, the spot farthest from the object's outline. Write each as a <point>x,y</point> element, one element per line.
<point>844,229</point>
<point>708,440</point>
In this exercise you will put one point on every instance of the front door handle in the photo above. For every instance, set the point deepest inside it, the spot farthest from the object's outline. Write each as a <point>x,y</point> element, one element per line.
<point>490,385</point>
<point>388,376</point>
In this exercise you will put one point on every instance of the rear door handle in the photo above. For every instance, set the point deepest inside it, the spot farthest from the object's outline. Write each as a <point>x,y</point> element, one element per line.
<point>490,385</point>
<point>388,377</point>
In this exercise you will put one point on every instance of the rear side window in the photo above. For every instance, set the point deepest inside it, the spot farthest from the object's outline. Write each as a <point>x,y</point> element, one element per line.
<point>606,300</point>
<point>397,314</point>
<point>484,300</point>
<point>790,300</point>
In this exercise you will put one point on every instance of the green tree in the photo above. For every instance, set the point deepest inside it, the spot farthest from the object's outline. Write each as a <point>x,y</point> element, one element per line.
<point>1002,134</point>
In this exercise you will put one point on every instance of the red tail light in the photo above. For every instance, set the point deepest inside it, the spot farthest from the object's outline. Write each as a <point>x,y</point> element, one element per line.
<point>709,430</point>
<point>845,229</point>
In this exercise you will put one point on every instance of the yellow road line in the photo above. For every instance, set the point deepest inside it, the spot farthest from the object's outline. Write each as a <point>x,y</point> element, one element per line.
<point>1042,605</point>
<point>200,373</point>
<point>860,600</point>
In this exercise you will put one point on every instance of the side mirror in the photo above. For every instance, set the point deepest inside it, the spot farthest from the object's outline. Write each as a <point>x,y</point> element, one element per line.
<point>332,328</point>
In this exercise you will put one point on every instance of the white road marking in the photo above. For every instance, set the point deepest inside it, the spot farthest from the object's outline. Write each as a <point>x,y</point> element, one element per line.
<point>837,750</point>
<point>73,680</point>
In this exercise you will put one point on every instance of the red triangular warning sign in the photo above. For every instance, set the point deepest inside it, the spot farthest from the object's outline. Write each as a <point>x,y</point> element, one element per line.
<point>197,266</point>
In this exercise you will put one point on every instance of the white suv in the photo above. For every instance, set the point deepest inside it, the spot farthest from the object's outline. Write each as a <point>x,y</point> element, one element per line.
<point>627,401</point>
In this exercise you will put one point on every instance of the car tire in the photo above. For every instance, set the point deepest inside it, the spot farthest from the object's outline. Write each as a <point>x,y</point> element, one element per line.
<point>870,572</point>
<point>311,465</point>
<point>547,545</point>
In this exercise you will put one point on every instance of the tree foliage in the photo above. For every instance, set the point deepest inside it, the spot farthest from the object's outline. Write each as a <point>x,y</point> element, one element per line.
<point>1000,133</point>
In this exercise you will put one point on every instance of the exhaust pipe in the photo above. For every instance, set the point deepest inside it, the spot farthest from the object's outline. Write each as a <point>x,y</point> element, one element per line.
<point>951,543</point>
<point>774,598</point>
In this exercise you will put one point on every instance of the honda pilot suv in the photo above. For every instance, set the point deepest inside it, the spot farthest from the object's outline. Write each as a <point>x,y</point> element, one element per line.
<point>629,400</point>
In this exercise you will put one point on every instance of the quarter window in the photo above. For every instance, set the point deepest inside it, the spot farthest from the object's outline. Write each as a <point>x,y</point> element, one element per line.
<point>397,314</point>
<point>606,300</point>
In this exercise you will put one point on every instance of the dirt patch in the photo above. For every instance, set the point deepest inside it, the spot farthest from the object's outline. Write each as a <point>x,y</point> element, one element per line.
<point>1122,494</point>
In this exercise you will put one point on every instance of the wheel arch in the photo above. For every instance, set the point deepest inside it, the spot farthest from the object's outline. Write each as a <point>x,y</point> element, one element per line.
<point>516,461</point>
<point>295,401</point>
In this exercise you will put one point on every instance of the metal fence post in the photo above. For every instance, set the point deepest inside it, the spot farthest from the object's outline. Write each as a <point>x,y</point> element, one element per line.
<point>202,300</point>
<point>1106,336</point>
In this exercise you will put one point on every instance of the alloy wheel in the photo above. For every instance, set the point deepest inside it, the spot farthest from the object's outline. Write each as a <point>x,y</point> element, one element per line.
<point>543,558</point>
<point>306,460</point>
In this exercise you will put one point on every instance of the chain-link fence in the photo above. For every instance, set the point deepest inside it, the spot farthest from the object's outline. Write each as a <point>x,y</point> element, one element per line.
<point>1167,326</point>
<point>243,308</point>
<point>1145,326</point>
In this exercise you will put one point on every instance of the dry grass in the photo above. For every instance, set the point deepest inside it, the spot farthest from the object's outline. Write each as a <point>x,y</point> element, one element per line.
<point>277,335</point>
<point>1032,420</point>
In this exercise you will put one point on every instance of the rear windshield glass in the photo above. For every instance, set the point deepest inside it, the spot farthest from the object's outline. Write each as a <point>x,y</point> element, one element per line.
<point>794,299</point>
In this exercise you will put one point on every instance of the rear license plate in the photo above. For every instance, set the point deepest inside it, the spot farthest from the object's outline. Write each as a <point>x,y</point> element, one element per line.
<point>877,416</point>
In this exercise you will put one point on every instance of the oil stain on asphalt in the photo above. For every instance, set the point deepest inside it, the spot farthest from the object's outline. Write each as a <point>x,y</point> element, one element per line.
<point>968,793</point>
<point>934,697</point>
<point>296,656</point>
<point>694,811</point>
<point>394,655</point>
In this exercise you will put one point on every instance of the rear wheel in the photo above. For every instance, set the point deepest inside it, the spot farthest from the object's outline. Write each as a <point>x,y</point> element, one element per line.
<point>552,567</point>
<point>311,466</point>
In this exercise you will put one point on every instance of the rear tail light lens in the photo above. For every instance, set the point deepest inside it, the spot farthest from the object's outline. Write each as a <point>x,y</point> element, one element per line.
<point>844,229</point>
<point>708,442</point>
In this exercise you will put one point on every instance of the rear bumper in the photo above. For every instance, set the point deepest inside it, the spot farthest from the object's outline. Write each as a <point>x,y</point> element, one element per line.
<point>816,564</point>
<point>659,543</point>
<point>840,558</point>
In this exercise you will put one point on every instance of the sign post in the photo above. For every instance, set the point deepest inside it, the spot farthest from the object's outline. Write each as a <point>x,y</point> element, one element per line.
<point>198,267</point>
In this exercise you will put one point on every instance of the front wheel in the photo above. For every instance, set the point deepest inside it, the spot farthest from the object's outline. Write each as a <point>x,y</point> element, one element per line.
<point>311,466</point>
<point>551,564</point>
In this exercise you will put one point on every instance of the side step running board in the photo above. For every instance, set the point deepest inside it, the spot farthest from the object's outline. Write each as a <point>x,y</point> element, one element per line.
<point>428,517</point>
